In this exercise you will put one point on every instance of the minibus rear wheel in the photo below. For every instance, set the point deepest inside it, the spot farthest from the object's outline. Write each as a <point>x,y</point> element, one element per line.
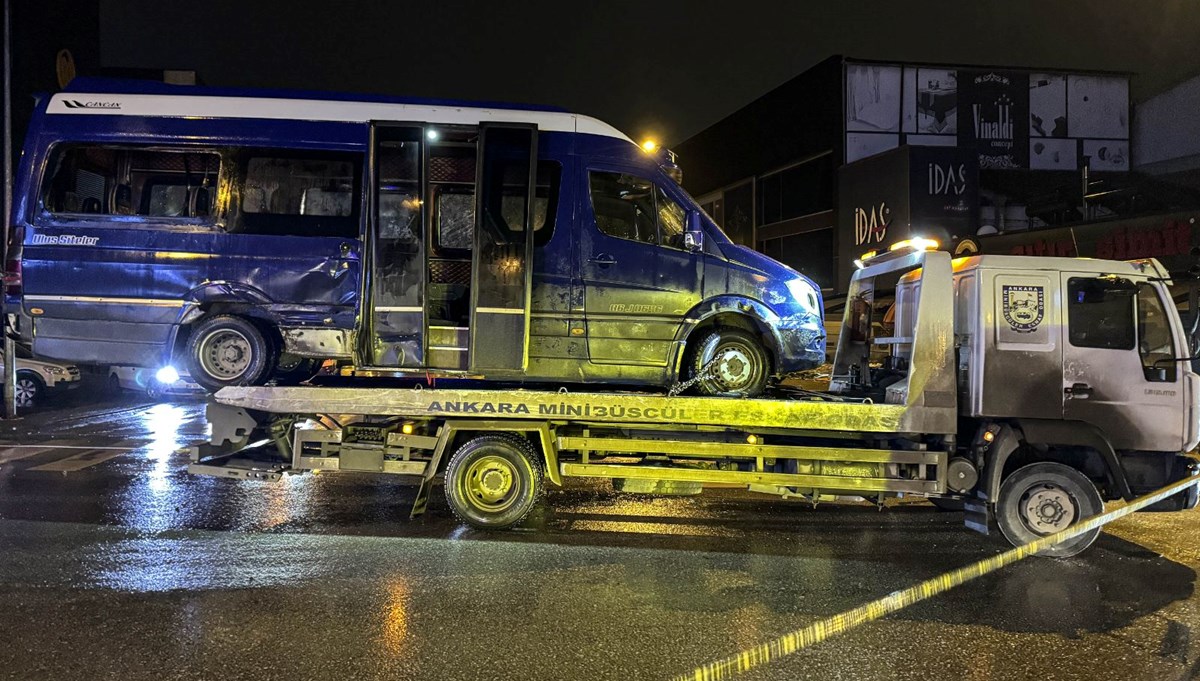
<point>226,350</point>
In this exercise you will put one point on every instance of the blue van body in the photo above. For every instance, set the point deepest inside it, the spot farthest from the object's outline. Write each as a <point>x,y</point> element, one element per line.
<point>125,289</point>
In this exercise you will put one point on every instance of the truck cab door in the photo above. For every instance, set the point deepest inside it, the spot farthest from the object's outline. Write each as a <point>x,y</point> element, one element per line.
<point>502,257</point>
<point>1119,344</point>
<point>396,278</point>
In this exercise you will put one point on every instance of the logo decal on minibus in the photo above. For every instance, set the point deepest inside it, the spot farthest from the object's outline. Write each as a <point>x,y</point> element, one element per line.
<point>64,240</point>
<point>1024,307</point>
<point>76,104</point>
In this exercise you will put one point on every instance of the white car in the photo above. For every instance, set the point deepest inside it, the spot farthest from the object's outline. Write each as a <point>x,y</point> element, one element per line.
<point>142,379</point>
<point>38,377</point>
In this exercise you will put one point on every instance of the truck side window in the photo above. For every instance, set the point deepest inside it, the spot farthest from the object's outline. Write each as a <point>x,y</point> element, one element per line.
<point>124,180</point>
<point>1155,343</point>
<point>1099,315</point>
<point>624,206</point>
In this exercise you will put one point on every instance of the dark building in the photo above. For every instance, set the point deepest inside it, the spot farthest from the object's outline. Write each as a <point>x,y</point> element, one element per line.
<point>852,156</point>
<point>51,43</point>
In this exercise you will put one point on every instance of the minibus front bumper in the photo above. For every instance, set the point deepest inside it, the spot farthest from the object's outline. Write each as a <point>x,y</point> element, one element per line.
<point>801,340</point>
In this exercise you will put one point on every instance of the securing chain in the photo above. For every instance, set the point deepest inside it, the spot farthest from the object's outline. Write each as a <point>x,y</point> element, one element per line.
<point>707,371</point>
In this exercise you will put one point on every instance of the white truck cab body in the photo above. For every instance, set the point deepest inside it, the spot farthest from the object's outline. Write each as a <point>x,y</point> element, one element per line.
<point>1090,341</point>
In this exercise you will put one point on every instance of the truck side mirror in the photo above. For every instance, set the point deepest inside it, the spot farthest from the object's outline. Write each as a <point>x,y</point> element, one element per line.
<point>693,238</point>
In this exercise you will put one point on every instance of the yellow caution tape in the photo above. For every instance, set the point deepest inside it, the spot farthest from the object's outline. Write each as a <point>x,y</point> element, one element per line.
<point>838,624</point>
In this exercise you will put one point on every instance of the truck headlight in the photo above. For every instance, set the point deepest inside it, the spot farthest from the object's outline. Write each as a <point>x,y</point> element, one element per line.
<point>805,294</point>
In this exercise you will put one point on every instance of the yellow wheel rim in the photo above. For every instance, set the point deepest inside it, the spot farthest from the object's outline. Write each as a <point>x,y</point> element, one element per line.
<point>490,483</point>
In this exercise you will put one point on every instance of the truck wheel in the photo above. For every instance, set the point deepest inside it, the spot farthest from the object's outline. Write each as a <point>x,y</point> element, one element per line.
<point>493,481</point>
<point>226,350</point>
<point>1044,498</point>
<point>742,366</point>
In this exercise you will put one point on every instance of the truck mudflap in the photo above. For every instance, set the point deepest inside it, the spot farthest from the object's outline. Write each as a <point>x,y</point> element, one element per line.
<point>1182,468</point>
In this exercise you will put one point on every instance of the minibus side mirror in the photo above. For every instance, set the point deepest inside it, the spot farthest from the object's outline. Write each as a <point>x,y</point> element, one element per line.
<point>693,238</point>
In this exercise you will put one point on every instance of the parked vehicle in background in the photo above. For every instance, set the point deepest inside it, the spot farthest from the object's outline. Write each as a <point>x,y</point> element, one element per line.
<point>144,380</point>
<point>38,378</point>
<point>246,234</point>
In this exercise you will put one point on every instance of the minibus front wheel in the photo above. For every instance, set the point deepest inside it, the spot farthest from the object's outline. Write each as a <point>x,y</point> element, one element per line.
<point>225,350</point>
<point>730,362</point>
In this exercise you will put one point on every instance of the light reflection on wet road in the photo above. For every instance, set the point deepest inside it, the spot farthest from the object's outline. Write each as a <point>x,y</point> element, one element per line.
<point>130,568</point>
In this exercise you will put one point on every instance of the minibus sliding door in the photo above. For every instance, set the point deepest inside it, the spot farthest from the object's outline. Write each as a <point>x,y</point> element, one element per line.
<point>395,310</point>
<point>501,260</point>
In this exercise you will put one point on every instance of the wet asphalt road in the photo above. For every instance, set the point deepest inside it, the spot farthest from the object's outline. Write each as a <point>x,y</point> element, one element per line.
<point>116,564</point>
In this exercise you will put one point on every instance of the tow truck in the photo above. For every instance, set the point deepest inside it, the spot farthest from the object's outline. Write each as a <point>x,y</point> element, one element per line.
<point>1027,390</point>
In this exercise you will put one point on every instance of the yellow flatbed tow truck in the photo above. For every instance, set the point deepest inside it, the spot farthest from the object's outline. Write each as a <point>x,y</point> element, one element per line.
<point>1028,390</point>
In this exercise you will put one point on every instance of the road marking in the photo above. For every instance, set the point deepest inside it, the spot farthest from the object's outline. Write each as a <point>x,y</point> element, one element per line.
<point>46,448</point>
<point>829,627</point>
<point>18,452</point>
<point>92,457</point>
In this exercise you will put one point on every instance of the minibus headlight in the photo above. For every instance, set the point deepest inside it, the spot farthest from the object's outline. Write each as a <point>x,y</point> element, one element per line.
<point>805,294</point>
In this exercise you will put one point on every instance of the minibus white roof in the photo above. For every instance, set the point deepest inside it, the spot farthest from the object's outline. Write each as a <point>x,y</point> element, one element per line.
<point>185,106</point>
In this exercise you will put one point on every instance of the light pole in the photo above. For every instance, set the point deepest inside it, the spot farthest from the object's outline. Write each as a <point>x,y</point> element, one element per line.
<point>10,360</point>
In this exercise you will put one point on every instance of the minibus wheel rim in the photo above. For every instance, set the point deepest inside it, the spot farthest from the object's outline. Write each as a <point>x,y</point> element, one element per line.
<point>225,354</point>
<point>737,366</point>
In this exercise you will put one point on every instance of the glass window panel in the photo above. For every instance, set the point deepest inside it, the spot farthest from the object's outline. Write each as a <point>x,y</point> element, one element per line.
<point>624,206</point>
<point>1098,315</point>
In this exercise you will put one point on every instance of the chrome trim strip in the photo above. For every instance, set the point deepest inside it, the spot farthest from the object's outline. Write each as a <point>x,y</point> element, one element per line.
<point>157,302</point>
<point>501,310</point>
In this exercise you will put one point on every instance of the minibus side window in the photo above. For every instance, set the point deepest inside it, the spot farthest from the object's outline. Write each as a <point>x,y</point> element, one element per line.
<point>634,208</point>
<point>456,210</point>
<point>672,220</point>
<point>624,206</point>
<point>123,180</point>
<point>309,193</point>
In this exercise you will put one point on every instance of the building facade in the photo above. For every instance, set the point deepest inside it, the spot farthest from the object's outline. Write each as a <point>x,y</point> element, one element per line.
<point>852,156</point>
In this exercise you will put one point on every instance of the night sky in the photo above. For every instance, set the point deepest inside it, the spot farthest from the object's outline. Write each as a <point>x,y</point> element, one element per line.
<point>654,69</point>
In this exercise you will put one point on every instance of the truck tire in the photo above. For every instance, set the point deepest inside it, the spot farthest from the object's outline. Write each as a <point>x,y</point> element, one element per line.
<point>493,481</point>
<point>225,350</point>
<point>1044,498</point>
<point>743,366</point>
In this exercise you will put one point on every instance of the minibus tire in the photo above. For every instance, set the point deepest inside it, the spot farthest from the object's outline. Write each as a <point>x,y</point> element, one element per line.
<point>493,481</point>
<point>239,332</point>
<point>1059,486</point>
<point>748,346</point>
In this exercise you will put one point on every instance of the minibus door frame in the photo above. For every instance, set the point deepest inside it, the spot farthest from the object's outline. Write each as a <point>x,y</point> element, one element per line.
<point>495,328</point>
<point>368,335</point>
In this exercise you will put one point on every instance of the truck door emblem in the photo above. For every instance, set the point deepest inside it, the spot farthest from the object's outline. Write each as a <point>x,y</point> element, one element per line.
<point>1024,307</point>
